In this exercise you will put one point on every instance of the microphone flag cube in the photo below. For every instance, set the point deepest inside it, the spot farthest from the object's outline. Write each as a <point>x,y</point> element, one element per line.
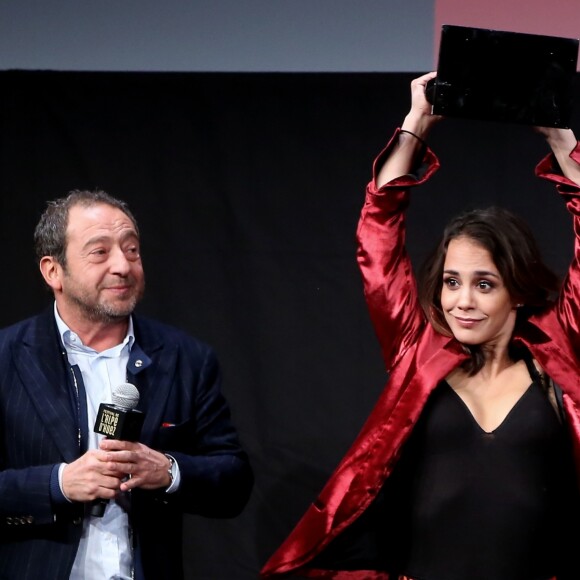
<point>117,423</point>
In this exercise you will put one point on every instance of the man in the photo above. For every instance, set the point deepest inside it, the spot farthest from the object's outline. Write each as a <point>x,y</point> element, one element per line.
<point>55,370</point>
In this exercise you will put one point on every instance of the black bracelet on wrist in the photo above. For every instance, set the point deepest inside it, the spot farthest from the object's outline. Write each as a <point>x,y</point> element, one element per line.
<point>423,143</point>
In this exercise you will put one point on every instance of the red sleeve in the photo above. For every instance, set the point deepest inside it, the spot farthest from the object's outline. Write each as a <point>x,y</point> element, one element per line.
<point>389,283</point>
<point>568,305</point>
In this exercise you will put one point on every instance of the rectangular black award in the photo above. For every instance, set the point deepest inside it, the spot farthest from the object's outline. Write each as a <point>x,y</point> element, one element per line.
<point>504,76</point>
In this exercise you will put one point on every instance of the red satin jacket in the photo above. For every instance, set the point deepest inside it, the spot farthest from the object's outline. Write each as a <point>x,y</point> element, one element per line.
<point>418,358</point>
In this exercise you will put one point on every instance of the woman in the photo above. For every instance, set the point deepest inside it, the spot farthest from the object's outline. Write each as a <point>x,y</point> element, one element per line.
<point>465,469</point>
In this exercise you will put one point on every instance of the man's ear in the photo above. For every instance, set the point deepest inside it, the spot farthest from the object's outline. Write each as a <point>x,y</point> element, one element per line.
<point>51,271</point>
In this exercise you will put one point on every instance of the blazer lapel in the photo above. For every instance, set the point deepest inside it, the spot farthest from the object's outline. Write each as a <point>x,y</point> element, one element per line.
<point>151,353</point>
<point>42,367</point>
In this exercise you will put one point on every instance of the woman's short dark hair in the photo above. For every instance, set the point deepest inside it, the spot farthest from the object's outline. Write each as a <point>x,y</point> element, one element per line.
<point>514,251</point>
<point>50,233</point>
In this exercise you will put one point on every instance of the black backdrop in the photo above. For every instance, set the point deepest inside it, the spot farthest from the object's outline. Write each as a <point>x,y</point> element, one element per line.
<point>247,188</point>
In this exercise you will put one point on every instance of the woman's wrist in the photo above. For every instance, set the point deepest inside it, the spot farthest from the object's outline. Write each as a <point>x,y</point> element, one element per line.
<point>561,140</point>
<point>415,136</point>
<point>419,124</point>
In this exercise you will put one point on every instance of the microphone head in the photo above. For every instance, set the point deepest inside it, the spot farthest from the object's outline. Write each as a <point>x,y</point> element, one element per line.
<point>125,396</point>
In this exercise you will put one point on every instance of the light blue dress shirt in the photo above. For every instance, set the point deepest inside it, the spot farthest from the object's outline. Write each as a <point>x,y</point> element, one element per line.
<point>105,549</point>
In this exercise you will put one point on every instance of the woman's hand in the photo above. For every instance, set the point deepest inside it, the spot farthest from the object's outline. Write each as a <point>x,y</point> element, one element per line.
<point>420,120</point>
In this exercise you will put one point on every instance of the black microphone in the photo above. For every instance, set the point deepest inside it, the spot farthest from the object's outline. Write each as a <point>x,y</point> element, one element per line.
<point>121,421</point>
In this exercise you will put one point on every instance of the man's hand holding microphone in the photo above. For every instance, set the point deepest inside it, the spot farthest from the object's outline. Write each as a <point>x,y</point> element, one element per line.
<point>121,463</point>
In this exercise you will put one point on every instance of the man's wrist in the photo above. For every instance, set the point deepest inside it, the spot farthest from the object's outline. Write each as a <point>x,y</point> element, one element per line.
<point>171,469</point>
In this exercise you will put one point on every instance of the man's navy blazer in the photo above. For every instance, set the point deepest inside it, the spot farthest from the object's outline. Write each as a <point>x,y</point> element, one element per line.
<point>186,415</point>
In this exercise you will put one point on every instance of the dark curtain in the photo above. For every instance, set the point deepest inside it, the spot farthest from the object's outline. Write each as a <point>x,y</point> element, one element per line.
<point>247,189</point>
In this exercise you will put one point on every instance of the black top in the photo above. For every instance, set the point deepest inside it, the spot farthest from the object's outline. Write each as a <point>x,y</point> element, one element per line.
<point>463,504</point>
<point>478,505</point>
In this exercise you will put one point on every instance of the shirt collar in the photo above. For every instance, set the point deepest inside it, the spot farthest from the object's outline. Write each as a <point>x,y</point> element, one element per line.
<point>72,341</point>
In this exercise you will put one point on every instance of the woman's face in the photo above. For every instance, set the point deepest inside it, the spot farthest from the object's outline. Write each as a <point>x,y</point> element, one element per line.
<point>475,301</point>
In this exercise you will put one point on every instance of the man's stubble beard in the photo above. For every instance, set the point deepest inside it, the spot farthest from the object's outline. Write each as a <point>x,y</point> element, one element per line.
<point>104,312</point>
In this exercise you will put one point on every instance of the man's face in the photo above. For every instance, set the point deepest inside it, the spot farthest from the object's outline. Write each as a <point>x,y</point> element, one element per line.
<point>103,279</point>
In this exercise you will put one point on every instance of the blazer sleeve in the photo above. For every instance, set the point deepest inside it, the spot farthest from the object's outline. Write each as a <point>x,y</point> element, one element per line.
<point>216,478</point>
<point>568,305</point>
<point>389,284</point>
